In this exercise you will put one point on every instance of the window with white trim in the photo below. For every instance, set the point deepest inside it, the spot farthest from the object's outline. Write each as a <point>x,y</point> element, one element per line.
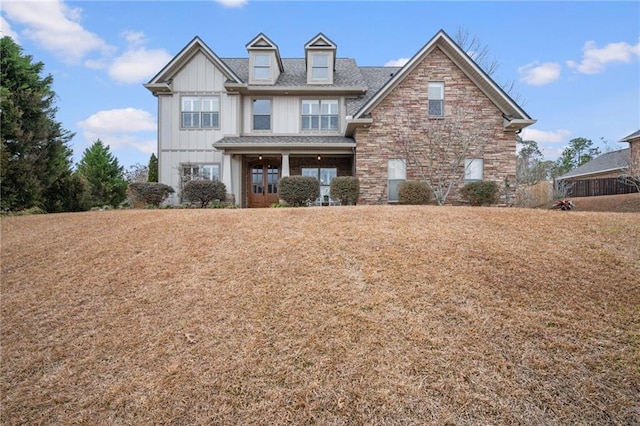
<point>262,114</point>
<point>435,94</point>
<point>473,169</point>
<point>396,174</point>
<point>200,172</point>
<point>320,66</point>
<point>261,66</point>
<point>320,114</point>
<point>324,175</point>
<point>200,112</point>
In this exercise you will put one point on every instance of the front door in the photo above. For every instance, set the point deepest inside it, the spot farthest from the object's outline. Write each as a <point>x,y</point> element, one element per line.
<point>263,181</point>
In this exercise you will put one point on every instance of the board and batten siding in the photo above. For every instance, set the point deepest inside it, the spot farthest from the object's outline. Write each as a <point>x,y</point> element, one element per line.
<point>177,146</point>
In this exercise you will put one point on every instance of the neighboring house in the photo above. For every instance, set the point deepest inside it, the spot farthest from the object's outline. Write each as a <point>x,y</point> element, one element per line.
<point>634,156</point>
<point>608,165</point>
<point>250,121</point>
<point>601,176</point>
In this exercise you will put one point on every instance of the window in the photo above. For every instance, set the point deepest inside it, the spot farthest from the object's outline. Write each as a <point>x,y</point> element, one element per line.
<point>397,173</point>
<point>200,172</point>
<point>320,115</point>
<point>320,66</point>
<point>436,99</point>
<point>201,112</point>
<point>473,169</point>
<point>324,175</point>
<point>261,68</point>
<point>261,114</point>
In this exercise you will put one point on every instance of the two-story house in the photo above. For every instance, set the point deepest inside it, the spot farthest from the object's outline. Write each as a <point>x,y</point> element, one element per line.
<point>251,121</point>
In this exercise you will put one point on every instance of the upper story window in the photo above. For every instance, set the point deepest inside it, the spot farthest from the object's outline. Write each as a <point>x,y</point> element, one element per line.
<point>320,114</point>
<point>261,66</point>
<point>320,66</point>
<point>262,114</point>
<point>201,112</point>
<point>436,99</point>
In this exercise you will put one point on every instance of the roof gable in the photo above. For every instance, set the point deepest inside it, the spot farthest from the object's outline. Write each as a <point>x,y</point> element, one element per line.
<point>510,109</point>
<point>320,41</point>
<point>632,137</point>
<point>196,45</point>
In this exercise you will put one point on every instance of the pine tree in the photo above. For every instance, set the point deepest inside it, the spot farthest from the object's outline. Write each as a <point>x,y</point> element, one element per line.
<point>35,161</point>
<point>153,168</point>
<point>104,175</point>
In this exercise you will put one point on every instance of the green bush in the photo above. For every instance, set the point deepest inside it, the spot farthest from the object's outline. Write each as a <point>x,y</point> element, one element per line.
<point>346,189</point>
<point>149,192</point>
<point>297,190</point>
<point>204,191</point>
<point>413,192</point>
<point>480,193</point>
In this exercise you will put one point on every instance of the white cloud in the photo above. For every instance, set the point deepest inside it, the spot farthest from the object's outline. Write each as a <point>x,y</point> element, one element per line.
<point>397,62</point>
<point>232,3</point>
<point>137,65</point>
<point>56,28</point>
<point>595,59</point>
<point>544,136</point>
<point>5,29</point>
<point>538,74</point>
<point>120,128</point>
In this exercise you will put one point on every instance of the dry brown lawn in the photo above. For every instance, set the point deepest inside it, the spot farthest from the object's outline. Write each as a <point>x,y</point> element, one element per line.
<point>333,316</point>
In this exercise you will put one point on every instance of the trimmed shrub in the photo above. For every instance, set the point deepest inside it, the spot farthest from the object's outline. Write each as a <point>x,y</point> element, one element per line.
<point>204,191</point>
<point>151,193</point>
<point>413,192</point>
<point>480,193</point>
<point>346,189</point>
<point>298,190</point>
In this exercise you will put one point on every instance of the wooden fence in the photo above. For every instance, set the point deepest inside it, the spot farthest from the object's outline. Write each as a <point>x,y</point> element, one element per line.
<point>594,187</point>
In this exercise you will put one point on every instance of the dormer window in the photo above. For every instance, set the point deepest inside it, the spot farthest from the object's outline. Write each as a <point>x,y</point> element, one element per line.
<point>261,66</point>
<point>265,64</point>
<point>320,66</point>
<point>320,56</point>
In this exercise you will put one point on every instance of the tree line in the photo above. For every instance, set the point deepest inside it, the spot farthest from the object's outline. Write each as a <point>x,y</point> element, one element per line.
<point>36,170</point>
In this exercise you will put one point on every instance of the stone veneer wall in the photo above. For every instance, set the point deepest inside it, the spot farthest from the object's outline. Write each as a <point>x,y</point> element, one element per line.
<point>634,152</point>
<point>403,115</point>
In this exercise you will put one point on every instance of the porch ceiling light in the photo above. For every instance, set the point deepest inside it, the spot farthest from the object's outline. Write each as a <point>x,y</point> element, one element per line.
<point>319,157</point>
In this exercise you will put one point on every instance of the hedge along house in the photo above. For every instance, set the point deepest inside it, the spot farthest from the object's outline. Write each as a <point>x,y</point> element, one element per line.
<point>251,121</point>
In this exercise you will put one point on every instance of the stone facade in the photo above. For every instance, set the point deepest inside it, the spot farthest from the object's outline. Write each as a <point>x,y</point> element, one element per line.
<point>634,166</point>
<point>402,129</point>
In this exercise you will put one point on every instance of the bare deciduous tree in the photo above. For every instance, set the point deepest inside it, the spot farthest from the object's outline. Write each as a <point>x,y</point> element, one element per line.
<point>437,150</point>
<point>481,55</point>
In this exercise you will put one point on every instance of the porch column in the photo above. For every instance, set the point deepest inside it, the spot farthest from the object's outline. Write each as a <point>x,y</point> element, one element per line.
<point>285,164</point>
<point>226,172</point>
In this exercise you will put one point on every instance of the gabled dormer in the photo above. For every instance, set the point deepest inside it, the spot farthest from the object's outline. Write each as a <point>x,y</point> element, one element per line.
<point>320,58</point>
<point>265,64</point>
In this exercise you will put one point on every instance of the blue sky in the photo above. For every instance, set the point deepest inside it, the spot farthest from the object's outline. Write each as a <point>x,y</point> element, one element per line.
<point>575,64</point>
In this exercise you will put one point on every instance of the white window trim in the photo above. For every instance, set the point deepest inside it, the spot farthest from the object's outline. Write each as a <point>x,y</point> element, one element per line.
<point>439,85</point>
<point>473,170</point>
<point>267,67</point>
<point>253,114</point>
<point>190,176</point>
<point>320,115</point>
<point>396,172</point>
<point>200,112</point>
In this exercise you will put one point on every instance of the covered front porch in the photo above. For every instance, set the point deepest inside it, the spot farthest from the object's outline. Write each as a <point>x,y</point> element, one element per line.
<point>253,165</point>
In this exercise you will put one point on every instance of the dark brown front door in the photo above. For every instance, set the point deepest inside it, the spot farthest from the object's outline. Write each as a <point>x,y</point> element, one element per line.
<point>263,181</point>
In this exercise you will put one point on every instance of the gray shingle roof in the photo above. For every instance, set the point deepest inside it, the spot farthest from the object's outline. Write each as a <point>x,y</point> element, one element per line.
<point>614,160</point>
<point>375,78</point>
<point>347,73</point>
<point>283,140</point>
<point>634,135</point>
